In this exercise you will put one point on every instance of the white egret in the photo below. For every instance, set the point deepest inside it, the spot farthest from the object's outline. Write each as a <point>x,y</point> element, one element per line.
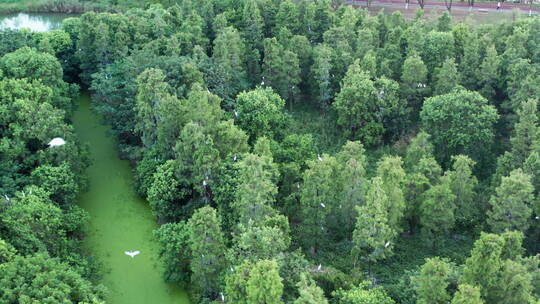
<point>6,197</point>
<point>319,267</point>
<point>56,142</point>
<point>234,158</point>
<point>319,157</point>
<point>204,183</point>
<point>323,205</point>
<point>132,254</point>
<point>222,297</point>
<point>537,218</point>
<point>387,244</point>
<point>381,94</point>
<point>235,113</point>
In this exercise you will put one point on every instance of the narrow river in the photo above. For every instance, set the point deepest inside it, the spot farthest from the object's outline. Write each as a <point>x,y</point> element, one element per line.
<point>120,221</point>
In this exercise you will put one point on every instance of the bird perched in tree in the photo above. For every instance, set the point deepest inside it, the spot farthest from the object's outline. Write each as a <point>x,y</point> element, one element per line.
<point>56,142</point>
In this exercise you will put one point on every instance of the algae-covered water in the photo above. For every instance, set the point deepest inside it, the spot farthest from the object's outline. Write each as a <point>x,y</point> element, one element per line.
<point>120,221</point>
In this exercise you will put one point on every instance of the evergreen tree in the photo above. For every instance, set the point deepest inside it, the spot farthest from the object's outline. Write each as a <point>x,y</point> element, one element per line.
<point>309,292</point>
<point>414,80</point>
<point>373,236</point>
<point>489,73</point>
<point>448,77</point>
<point>393,176</point>
<point>152,90</point>
<point>357,106</point>
<point>260,113</point>
<point>288,17</point>
<point>463,185</point>
<point>470,63</point>
<point>319,195</point>
<point>437,210</point>
<point>432,282</point>
<point>354,182</point>
<point>264,285</point>
<point>522,143</point>
<point>207,252</point>
<point>511,203</point>
<point>419,147</point>
<point>321,74</point>
<point>256,190</point>
<point>467,294</point>
<point>281,69</point>
<point>229,52</point>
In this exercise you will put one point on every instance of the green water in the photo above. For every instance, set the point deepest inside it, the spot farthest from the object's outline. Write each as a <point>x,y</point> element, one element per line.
<point>120,221</point>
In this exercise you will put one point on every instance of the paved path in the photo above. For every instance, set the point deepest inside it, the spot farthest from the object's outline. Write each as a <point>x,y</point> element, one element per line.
<point>461,6</point>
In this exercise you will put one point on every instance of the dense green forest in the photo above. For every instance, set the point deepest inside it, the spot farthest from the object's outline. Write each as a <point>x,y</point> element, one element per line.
<point>291,151</point>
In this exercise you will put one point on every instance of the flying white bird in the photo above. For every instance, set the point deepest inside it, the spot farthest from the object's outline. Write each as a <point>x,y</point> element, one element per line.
<point>323,205</point>
<point>56,142</point>
<point>132,254</point>
<point>319,267</point>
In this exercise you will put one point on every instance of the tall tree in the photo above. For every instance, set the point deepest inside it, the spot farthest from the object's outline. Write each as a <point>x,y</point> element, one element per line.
<point>432,282</point>
<point>321,74</point>
<point>357,105</point>
<point>363,295</point>
<point>511,203</point>
<point>393,176</point>
<point>463,185</point>
<point>152,90</point>
<point>448,77</point>
<point>489,73</point>
<point>494,269</point>
<point>256,190</point>
<point>281,69</point>
<point>354,183</point>
<point>319,195</point>
<point>207,252</point>
<point>442,117</point>
<point>175,251</point>
<point>467,294</point>
<point>229,52</point>
<point>373,236</point>
<point>309,292</point>
<point>414,79</point>
<point>41,279</point>
<point>437,211</point>
<point>264,285</point>
<point>260,113</point>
